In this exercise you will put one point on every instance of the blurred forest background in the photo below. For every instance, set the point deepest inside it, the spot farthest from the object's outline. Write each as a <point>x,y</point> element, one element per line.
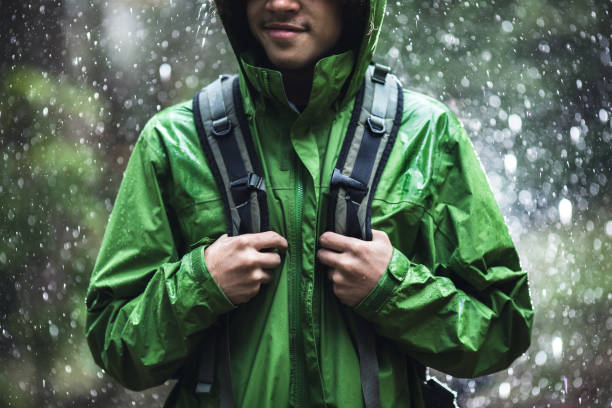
<point>530,79</point>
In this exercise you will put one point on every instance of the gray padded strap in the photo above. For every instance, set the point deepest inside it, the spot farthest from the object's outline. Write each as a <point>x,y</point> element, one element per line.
<point>231,154</point>
<point>215,99</point>
<point>380,102</point>
<point>207,104</point>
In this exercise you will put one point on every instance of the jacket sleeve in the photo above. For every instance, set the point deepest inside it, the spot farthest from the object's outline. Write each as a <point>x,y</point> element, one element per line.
<point>148,304</point>
<point>458,301</point>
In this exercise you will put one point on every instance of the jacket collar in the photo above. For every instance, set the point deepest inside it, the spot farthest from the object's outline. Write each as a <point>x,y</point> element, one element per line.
<point>330,76</point>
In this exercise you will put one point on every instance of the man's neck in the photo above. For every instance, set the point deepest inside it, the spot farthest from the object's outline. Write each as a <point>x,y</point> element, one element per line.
<point>298,85</point>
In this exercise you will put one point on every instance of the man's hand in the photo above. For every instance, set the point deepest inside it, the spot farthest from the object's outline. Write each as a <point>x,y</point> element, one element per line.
<point>355,266</point>
<point>240,264</point>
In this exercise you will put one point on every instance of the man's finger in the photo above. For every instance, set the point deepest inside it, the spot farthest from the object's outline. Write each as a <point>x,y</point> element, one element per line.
<point>337,242</point>
<point>269,240</point>
<point>336,277</point>
<point>327,257</point>
<point>262,276</point>
<point>268,260</point>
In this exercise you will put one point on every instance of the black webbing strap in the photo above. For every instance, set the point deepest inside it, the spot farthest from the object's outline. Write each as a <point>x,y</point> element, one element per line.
<point>206,370</point>
<point>216,344</point>
<point>226,141</point>
<point>368,362</point>
<point>367,145</point>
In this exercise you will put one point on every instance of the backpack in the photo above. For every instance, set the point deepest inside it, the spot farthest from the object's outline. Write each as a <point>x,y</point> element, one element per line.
<point>227,143</point>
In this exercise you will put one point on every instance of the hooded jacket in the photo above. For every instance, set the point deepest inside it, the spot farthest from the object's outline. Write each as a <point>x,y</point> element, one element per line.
<point>453,297</point>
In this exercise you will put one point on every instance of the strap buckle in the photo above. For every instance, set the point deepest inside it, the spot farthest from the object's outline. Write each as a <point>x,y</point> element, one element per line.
<point>203,387</point>
<point>251,182</point>
<point>354,188</point>
<point>222,127</point>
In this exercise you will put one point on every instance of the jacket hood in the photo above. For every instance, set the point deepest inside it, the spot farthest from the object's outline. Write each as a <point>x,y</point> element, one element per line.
<point>337,78</point>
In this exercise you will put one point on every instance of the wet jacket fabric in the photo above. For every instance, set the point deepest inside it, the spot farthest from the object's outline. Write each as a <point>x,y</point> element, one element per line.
<point>453,297</point>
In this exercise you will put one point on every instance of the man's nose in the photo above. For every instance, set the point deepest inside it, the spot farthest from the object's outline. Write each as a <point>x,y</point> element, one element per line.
<point>286,6</point>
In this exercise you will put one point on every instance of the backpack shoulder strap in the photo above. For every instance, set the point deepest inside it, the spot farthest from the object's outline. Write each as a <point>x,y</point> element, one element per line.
<point>367,145</point>
<point>226,140</point>
<point>224,135</point>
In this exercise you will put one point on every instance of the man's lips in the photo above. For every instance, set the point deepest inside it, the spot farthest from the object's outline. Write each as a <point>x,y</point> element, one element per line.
<point>283,30</point>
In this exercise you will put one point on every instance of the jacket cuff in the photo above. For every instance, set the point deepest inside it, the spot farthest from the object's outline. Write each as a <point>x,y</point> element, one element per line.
<point>217,299</point>
<point>388,283</point>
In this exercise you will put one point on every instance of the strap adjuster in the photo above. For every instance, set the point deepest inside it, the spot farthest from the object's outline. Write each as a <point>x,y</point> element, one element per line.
<point>380,73</point>
<point>376,125</point>
<point>249,182</point>
<point>222,127</point>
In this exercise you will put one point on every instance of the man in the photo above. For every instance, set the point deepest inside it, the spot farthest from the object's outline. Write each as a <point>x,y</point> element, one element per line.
<point>439,283</point>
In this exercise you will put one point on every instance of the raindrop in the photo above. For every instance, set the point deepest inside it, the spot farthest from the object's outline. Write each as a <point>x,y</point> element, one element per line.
<point>165,72</point>
<point>504,390</point>
<point>575,134</point>
<point>608,229</point>
<point>192,81</point>
<point>494,101</point>
<point>597,244</point>
<point>557,347</point>
<point>565,211</point>
<point>541,357</point>
<point>525,198</point>
<point>510,163</point>
<point>515,122</point>
<point>507,26</point>
<point>544,47</point>
<point>577,383</point>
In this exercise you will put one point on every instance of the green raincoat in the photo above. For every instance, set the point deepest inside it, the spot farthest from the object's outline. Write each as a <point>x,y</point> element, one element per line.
<point>453,297</point>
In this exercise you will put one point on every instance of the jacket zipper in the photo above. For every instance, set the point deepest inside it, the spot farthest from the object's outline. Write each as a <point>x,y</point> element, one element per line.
<point>296,352</point>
